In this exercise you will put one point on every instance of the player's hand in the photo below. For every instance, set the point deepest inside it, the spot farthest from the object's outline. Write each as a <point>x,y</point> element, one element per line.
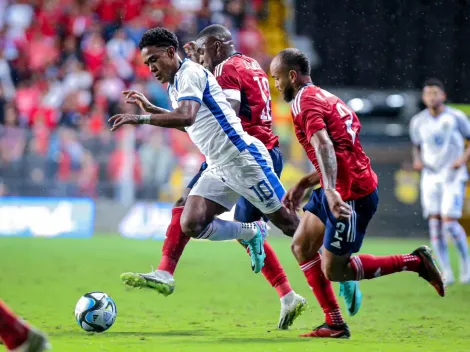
<point>338,207</point>
<point>418,165</point>
<point>457,164</point>
<point>123,119</point>
<point>192,52</point>
<point>135,97</point>
<point>292,198</point>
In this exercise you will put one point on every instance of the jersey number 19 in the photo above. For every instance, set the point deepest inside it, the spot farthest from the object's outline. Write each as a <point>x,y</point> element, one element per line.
<point>263,85</point>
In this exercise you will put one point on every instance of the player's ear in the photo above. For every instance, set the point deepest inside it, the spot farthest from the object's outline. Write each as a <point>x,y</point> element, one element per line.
<point>292,76</point>
<point>171,51</point>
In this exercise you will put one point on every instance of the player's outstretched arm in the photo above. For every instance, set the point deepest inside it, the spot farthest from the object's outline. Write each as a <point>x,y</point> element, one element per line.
<point>326,157</point>
<point>417,162</point>
<point>294,195</point>
<point>183,116</point>
<point>137,98</point>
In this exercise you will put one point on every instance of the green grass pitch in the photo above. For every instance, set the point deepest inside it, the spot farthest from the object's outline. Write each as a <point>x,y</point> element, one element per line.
<point>218,304</point>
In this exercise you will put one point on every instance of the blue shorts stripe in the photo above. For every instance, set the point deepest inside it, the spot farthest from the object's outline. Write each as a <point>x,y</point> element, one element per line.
<point>268,171</point>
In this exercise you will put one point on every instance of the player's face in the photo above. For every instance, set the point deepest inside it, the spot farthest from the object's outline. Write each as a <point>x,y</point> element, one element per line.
<point>282,80</point>
<point>161,62</point>
<point>209,50</point>
<point>433,97</point>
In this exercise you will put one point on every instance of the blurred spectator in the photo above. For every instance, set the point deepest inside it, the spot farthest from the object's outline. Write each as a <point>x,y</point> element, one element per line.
<point>63,67</point>
<point>157,163</point>
<point>6,81</point>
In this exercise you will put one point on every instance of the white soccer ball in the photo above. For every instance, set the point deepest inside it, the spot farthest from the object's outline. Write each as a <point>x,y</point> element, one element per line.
<point>95,312</point>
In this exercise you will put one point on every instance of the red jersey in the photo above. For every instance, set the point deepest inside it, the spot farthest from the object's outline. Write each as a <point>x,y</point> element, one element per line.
<point>314,109</point>
<point>242,79</point>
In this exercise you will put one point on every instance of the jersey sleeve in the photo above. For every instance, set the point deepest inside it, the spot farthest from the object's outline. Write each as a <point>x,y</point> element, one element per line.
<point>463,123</point>
<point>229,79</point>
<point>191,84</point>
<point>311,117</point>
<point>414,131</point>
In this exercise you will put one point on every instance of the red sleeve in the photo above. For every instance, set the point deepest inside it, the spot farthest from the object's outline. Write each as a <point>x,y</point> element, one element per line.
<point>311,117</point>
<point>228,76</point>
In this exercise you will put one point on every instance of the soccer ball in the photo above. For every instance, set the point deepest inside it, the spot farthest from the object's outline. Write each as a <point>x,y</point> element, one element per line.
<point>95,312</point>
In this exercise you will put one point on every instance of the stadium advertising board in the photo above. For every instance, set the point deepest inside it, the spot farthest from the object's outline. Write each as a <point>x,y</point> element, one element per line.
<point>150,220</point>
<point>47,217</point>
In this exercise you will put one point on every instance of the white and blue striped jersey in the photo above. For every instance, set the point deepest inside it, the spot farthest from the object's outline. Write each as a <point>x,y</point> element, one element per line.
<point>442,141</point>
<point>217,131</point>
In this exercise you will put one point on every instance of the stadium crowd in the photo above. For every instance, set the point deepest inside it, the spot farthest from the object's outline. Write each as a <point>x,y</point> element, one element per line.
<point>63,65</point>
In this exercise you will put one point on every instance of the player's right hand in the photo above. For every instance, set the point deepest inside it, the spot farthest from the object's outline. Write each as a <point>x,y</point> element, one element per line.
<point>338,207</point>
<point>292,198</point>
<point>418,165</point>
<point>135,97</point>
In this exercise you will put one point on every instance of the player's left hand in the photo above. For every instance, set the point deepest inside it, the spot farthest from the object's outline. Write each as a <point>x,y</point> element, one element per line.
<point>338,207</point>
<point>192,52</point>
<point>123,119</point>
<point>292,198</point>
<point>459,163</point>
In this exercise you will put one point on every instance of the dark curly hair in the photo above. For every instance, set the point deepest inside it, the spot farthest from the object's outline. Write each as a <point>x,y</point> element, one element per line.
<point>159,36</point>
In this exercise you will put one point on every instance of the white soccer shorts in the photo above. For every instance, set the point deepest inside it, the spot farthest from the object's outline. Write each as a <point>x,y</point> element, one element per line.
<point>250,175</point>
<point>442,198</point>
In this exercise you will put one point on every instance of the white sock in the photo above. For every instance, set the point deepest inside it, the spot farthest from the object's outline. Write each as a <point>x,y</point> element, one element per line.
<point>288,298</point>
<point>439,244</point>
<point>454,230</point>
<point>221,230</point>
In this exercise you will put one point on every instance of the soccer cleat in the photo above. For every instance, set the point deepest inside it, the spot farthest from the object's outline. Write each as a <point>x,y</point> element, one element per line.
<point>291,311</point>
<point>159,280</point>
<point>352,296</point>
<point>36,342</point>
<point>429,270</point>
<point>330,331</point>
<point>256,246</point>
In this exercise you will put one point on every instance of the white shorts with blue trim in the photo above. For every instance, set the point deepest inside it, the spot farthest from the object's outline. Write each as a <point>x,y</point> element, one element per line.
<point>445,199</point>
<point>250,174</point>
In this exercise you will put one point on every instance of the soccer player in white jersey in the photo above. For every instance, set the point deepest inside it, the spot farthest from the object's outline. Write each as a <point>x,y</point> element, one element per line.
<point>438,134</point>
<point>238,164</point>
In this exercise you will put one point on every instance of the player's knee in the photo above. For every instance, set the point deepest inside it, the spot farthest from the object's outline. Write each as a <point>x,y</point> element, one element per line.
<point>299,250</point>
<point>192,226</point>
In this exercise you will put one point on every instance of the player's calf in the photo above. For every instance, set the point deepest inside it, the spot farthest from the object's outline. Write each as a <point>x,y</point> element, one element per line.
<point>285,221</point>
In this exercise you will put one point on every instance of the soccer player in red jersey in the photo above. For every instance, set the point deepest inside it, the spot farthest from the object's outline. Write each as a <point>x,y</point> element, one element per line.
<point>246,87</point>
<point>18,336</point>
<point>339,212</point>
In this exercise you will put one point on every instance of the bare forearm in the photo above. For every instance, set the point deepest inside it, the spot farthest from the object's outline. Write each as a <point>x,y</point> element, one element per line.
<point>310,180</point>
<point>416,153</point>
<point>156,110</point>
<point>326,158</point>
<point>170,120</point>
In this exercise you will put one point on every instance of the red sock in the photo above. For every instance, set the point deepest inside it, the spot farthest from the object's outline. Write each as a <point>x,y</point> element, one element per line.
<point>323,290</point>
<point>12,331</point>
<point>368,266</point>
<point>174,243</point>
<point>274,272</point>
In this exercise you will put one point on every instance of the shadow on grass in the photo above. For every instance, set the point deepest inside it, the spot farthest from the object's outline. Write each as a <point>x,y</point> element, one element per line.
<point>137,334</point>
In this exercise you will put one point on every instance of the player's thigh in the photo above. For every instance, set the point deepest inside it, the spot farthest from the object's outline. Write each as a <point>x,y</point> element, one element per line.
<point>431,197</point>
<point>453,196</point>
<point>345,236</point>
<point>252,176</point>
<point>308,237</point>
<point>209,197</point>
